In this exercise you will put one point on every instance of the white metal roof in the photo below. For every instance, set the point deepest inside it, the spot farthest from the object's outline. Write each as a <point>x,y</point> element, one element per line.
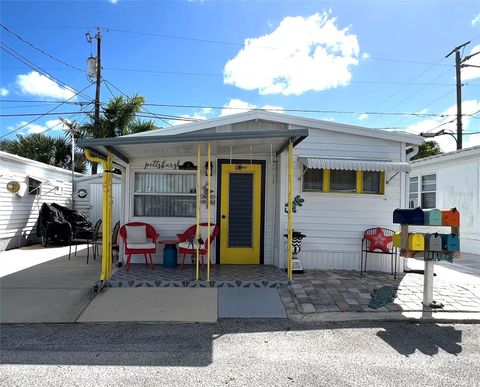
<point>24,160</point>
<point>473,152</point>
<point>293,121</point>
<point>355,164</point>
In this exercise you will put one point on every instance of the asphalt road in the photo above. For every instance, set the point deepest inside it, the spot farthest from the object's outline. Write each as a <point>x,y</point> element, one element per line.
<point>239,353</point>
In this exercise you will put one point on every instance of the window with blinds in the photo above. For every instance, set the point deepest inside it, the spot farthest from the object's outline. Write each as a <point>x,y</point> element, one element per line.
<point>164,194</point>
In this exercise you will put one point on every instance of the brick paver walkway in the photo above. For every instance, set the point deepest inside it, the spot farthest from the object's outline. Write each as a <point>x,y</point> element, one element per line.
<point>318,291</point>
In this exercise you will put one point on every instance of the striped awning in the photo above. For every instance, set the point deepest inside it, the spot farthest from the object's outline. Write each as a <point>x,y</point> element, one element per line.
<point>355,165</point>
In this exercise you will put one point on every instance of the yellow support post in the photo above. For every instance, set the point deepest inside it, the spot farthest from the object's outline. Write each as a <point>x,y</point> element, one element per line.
<point>290,209</point>
<point>106,273</point>
<point>209,171</point>
<point>197,232</point>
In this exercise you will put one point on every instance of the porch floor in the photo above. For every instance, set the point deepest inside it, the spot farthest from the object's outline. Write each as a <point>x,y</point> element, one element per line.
<point>232,276</point>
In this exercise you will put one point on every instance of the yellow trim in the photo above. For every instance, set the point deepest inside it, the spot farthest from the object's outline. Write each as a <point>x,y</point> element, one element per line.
<point>209,171</point>
<point>326,180</point>
<point>197,230</point>
<point>359,188</point>
<point>107,166</point>
<point>382,183</point>
<point>241,255</point>
<point>290,209</point>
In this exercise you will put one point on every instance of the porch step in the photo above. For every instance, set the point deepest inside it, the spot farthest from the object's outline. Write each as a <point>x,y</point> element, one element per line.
<point>195,284</point>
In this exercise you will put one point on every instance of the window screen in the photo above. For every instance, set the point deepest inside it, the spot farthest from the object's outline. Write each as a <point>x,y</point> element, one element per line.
<point>312,179</point>
<point>343,181</point>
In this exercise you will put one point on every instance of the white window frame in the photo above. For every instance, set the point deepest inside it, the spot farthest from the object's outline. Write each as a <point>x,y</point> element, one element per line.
<point>161,172</point>
<point>421,191</point>
<point>413,202</point>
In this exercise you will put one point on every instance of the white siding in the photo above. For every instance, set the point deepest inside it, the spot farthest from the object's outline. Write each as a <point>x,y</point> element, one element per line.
<point>18,215</point>
<point>334,223</point>
<point>458,185</point>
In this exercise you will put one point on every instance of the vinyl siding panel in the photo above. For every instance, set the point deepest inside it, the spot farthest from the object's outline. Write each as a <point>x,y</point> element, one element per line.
<point>18,215</point>
<point>333,222</point>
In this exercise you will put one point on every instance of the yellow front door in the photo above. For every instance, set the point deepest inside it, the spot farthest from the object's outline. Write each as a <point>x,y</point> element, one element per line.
<point>240,213</point>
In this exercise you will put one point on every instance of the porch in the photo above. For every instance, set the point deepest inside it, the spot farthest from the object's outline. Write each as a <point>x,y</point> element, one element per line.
<point>229,276</point>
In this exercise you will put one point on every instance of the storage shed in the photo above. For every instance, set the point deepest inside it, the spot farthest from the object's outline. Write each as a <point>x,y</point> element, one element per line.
<point>35,184</point>
<point>88,196</point>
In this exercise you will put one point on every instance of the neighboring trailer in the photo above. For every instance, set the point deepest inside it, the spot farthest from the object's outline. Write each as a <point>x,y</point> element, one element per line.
<point>19,211</point>
<point>451,180</point>
<point>88,197</point>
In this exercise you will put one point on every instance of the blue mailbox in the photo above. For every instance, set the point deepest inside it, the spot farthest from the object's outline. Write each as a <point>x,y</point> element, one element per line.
<point>413,216</point>
<point>450,242</point>
<point>433,217</point>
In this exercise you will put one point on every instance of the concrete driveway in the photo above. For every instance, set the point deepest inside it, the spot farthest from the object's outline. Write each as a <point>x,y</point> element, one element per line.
<point>53,291</point>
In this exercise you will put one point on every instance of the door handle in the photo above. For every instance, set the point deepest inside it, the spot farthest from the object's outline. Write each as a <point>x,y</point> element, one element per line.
<point>224,216</point>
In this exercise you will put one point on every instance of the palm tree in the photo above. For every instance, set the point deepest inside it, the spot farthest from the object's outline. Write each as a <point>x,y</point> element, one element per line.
<point>46,149</point>
<point>118,119</point>
<point>427,149</point>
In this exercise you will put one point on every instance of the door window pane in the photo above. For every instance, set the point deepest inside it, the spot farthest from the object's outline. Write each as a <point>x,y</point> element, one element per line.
<point>343,181</point>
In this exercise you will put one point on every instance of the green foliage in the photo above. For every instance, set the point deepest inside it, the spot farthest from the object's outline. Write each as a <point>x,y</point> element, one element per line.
<point>427,149</point>
<point>45,149</point>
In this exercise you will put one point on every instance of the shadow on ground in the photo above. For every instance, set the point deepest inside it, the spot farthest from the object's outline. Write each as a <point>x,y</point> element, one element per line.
<point>182,345</point>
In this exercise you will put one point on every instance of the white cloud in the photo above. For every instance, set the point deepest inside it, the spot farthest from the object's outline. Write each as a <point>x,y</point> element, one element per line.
<point>362,117</point>
<point>3,92</point>
<point>365,55</point>
<point>50,125</point>
<point>38,85</point>
<point>302,54</point>
<point>235,106</point>
<point>476,20</point>
<point>113,1</point>
<point>472,72</point>
<point>449,124</point>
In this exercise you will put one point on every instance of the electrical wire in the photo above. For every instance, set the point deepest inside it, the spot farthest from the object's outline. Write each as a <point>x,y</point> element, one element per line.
<point>39,49</point>
<point>142,108</point>
<point>35,114</point>
<point>50,111</point>
<point>35,67</point>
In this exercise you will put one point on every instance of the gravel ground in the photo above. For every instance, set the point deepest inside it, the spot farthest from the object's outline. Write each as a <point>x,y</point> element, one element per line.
<point>240,352</point>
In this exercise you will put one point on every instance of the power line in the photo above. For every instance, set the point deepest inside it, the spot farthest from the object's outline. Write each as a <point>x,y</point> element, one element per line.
<point>34,66</point>
<point>39,49</point>
<point>50,111</point>
<point>35,114</point>
<point>142,108</point>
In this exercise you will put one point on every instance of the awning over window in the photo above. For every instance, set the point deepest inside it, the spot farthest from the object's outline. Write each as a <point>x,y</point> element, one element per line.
<point>355,165</point>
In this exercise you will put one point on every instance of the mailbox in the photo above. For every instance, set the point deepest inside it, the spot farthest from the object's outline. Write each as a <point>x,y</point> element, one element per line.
<point>433,242</point>
<point>433,217</point>
<point>450,242</point>
<point>409,216</point>
<point>451,217</point>
<point>416,242</point>
<point>397,239</point>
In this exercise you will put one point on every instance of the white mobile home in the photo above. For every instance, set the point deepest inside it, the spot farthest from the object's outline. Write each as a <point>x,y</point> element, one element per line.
<point>351,178</point>
<point>451,180</point>
<point>37,183</point>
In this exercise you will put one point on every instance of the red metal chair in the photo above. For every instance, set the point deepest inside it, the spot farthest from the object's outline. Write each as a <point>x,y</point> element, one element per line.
<point>188,245</point>
<point>144,248</point>
<point>378,240</point>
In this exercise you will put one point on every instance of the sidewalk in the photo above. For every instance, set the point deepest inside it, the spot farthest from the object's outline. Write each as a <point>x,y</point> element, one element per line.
<point>345,295</point>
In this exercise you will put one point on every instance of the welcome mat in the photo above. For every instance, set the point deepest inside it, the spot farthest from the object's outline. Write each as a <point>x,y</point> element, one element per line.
<point>382,296</point>
<point>250,303</point>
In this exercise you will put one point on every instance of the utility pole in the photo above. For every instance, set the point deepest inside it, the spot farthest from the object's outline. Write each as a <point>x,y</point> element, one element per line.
<point>95,70</point>
<point>99,78</point>
<point>458,66</point>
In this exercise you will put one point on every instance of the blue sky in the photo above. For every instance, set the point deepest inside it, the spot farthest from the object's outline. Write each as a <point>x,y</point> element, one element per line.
<point>344,60</point>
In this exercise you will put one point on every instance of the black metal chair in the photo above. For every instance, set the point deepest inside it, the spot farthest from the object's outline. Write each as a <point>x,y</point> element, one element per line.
<point>85,238</point>
<point>115,247</point>
<point>378,240</point>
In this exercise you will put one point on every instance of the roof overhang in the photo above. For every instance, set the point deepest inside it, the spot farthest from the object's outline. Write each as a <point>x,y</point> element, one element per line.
<point>355,164</point>
<point>127,148</point>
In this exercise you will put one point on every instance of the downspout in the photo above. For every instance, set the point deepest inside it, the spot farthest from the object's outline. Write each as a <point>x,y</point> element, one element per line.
<point>413,153</point>
<point>106,273</point>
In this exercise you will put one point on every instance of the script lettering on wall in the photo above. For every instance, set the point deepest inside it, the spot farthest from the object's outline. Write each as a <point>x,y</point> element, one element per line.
<point>162,164</point>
